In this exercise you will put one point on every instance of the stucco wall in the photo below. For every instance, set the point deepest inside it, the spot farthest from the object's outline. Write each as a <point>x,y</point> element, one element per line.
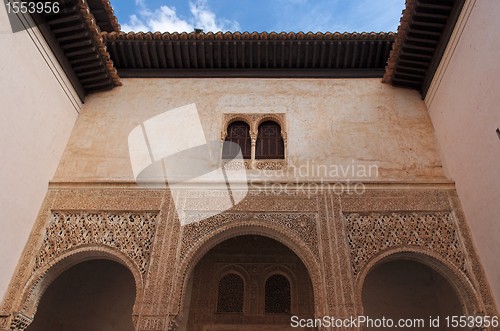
<point>343,122</point>
<point>464,104</point>
<point>38,110</point>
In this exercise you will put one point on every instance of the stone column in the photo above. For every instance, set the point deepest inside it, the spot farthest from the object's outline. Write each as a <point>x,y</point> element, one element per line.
<point>253,136</point>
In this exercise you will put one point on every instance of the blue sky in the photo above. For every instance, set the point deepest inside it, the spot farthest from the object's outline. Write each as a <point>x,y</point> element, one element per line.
<point>259,15</point>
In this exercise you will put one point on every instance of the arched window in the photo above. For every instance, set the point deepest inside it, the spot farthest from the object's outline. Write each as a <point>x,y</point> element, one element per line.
<point>230,294</point>
<point>238,133</point>
<point>269,142</point>
<point>277,295</point>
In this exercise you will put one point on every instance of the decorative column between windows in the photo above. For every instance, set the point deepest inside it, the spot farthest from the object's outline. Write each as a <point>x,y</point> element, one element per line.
<point>285,146</point>
<point>253,136</point>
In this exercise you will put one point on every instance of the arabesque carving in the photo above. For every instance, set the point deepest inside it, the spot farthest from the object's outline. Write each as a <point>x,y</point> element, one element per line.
<point>301,225</point>
<point>20,322</point>
<point>339,238</point>
<point>370,234</point>
<point>131,233</point>
<point>269,164</point>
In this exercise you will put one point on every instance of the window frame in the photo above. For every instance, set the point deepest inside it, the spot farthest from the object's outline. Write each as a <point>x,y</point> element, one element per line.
<point>254,120</point>
<point>246,149</point>
<point>290,290</point>
<point>243,288</point>
<point>278,143</point>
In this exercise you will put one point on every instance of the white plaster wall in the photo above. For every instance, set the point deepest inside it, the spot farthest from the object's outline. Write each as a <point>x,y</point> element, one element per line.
<point>37,113</point>
<point>464,105</point>
<point>342,122</point>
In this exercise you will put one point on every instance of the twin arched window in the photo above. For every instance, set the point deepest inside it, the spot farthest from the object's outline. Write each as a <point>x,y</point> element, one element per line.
<point>269,144</point>
<point>231,293</point>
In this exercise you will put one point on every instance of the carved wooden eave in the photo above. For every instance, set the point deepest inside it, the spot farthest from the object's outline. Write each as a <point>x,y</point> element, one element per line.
<point>99,41</point>
<point>104,14</point>
<point>423,33</point>
<point>244,54</point>
<point>74,35</point>
<point>96,52</point>
<point>396,47</point>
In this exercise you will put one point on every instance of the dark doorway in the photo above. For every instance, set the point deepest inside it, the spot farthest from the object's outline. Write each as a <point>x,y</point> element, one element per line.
<point>95,295</point>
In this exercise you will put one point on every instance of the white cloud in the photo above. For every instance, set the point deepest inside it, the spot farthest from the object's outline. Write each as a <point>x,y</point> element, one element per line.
<point>165,18</point>
<point>135,24</point>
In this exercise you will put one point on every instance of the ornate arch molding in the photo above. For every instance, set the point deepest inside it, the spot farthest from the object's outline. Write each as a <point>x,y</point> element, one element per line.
<point>209,239</point>
<point>231,118</point>
<point>253,120</point>
<point>278,118</point>
<point>45,276</point>
<point>468,296</point>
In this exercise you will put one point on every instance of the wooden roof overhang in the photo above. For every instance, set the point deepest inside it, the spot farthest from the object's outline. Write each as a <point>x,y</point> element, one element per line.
<point>74,35</point>
<point>423,33</point>
<point>249,54</point>
<point>86,38</point>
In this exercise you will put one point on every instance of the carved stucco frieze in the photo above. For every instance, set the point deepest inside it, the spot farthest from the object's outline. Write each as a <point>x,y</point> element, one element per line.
<point>369,226</point>
<point>257,200</point>
<point>337,273</point>
<point>277,164</point>
<point>20,322</point>
<point>479,279</point>
<point>130,233</point>
<point>301,225</point>
<point>269,164</point>
<point>152,323</point>
<point>372,233</point>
